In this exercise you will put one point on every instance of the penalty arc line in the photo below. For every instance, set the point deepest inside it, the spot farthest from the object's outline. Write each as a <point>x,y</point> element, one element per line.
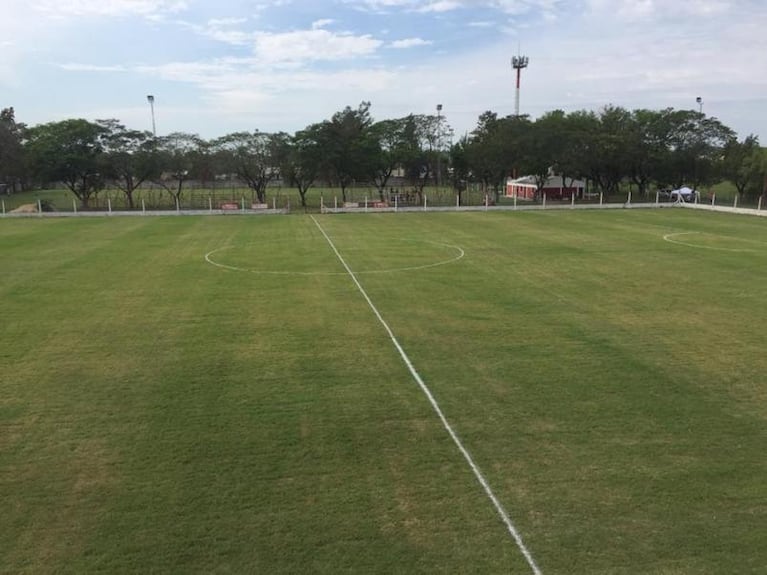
<point>438,410</point>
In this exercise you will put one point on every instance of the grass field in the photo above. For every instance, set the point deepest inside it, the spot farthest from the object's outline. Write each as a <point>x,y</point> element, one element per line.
<point>606,371</point>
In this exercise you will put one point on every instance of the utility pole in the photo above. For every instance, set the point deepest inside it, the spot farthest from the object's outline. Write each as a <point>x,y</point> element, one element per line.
<point>150,99</point>
<point>439,145</point>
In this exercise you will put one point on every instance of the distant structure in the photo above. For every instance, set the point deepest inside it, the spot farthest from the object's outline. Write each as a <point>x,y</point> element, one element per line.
<point>150,99</point>
<point>517,63</point>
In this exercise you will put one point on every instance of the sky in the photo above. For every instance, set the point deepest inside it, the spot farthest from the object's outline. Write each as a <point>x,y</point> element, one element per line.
<point>220,66</point>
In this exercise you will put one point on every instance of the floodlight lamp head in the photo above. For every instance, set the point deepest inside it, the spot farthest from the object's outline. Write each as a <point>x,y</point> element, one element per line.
<point>699,99</point>
<point>518,62</point>
<point>439,107</point>
<point>150,98</point>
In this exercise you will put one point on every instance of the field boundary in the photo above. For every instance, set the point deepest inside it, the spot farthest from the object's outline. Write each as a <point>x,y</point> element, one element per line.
<point>408,209</point>
<point>438,410</point>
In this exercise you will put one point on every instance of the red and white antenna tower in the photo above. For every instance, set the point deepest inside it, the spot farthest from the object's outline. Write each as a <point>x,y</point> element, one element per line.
<point>517,63</point>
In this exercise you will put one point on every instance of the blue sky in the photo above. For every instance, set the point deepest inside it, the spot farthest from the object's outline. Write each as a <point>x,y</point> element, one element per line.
<point>216,67</point>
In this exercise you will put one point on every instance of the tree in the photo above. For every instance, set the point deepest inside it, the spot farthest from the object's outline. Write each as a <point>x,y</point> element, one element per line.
<point>349,146</point>
<point>131,157</point>
<point>743,164</point>
<point>495,149</point>
<point>419,138</point>
<point>177,153</point>
<point>694,148</point>
<point>11,151</point>
<point>255,157</point>
<point>71,152</point>
<point>390,139</point>
<point>304,158</point>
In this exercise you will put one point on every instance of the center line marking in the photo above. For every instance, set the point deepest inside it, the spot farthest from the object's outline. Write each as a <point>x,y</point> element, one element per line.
<point>465,452</point>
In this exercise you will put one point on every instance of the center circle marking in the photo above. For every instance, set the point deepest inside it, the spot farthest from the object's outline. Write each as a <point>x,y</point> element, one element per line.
<point>458,254</point>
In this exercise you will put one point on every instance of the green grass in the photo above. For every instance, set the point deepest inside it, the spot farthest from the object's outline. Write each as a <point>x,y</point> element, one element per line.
<point>160,414</point>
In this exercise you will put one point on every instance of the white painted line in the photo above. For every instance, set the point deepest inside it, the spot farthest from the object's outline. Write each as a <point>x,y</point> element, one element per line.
<point>460,252</point>
<point>466,455</point>
<point>670,238</point>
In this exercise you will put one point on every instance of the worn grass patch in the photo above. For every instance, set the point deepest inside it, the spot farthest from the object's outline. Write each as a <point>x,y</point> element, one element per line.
<point>159,413</point>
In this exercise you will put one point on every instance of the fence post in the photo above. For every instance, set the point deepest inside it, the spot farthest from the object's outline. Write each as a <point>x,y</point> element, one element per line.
<point>109,205</point>
<point>628,199</point>
<point>601,197</point>
<point>735,203</point>
<point>335,202</point>
<point>515,201</point>
<point>572,199</point>
<point>143,206</point>
<point>178,207</point>
<point>3,202</point>
<point>457,201</point>
<point>396,197</point>
<point>366,204</point>
<point>713,199</point>
<point>74,205</point>
<point>759,205</point>
<point>424,202</point>
<point>657,198</point>
<point>544,200</point>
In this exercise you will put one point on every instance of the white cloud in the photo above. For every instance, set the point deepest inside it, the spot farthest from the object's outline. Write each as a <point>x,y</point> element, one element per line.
<point>304,46</point>
<point>440,6</point>
<point>410,43</point>
<point>100,8</point>
<point>75,67</point>
<point>323,23</point>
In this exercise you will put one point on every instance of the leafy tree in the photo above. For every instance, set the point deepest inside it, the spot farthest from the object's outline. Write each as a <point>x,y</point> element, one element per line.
<point>460,164</point>
<point>694,148</point>
<point>390,138</point>
<point>419,140</point>
<point>350,148</point>
<point>743,164</point>
<point>256,158</point>
<point>11,151</point>
<point>178,154</point>
<point>70,151</point>
<point>131,157</point>
<point>303,162</point>
<point>495,149</point>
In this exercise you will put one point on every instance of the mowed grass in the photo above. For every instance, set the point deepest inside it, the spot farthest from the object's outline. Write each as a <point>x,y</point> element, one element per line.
<point>605,369</point>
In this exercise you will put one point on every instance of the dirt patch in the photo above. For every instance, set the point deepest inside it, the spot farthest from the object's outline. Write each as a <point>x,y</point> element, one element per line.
<point>25,209</point>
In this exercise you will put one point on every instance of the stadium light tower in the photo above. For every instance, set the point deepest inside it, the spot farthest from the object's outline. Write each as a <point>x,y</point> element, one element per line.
<point>699,100</point>
<point>517,63</point>
<point>150,99</point>
<point>439,144</point>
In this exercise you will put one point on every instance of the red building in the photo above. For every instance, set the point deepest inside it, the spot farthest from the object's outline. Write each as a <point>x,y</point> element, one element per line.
<point>555,188</point>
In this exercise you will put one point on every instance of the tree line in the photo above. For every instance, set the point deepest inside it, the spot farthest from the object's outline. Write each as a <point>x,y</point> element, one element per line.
<point>611,148</point>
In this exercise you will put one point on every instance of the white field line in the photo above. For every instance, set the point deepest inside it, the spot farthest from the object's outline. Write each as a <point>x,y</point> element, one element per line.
<point>466,455</point>
<point>671,239</point>
<point>461,253</point>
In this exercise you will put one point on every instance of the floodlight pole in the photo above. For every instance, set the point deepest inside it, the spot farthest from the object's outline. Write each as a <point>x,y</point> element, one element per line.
<point>150,99</point>
<point>439,145</point>
<point>518,63</point>
<point>699,100</point>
